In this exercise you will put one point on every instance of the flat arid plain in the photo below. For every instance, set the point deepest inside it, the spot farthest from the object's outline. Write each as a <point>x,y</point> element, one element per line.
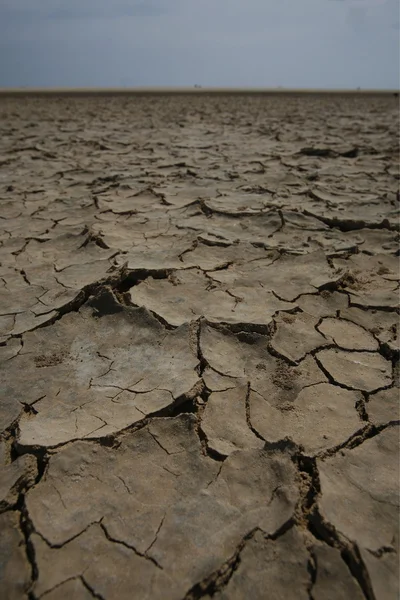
<point>198,346</point>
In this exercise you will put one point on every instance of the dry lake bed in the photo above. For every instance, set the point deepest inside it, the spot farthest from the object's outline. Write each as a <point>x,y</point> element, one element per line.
<point>199,347</point>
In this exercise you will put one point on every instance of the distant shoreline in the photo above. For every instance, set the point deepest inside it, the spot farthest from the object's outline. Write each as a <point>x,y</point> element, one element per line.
<point>193,91</point>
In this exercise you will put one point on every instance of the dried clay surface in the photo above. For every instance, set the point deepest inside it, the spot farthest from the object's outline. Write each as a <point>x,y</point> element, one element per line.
<point>199,348</point>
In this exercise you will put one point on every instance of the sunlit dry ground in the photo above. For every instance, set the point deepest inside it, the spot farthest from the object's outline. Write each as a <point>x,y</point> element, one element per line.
<point>198,347</point>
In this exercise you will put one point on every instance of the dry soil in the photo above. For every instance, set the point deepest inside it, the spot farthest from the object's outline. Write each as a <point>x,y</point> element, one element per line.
<point>198,347</point>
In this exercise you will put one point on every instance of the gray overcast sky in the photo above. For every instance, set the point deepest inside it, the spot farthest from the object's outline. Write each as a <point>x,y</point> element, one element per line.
<point>291,43</point>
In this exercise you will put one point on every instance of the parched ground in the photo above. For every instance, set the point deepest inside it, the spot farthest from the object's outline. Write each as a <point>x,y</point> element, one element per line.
<point>198,347</point>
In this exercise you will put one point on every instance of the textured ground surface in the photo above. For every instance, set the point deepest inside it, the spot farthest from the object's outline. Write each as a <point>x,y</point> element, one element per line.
<point>198,348</point>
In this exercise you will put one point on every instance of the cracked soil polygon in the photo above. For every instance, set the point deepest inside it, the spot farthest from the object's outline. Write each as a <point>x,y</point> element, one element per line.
<point>155,368</point>
<point>364,508</point>
<point>171,502</point>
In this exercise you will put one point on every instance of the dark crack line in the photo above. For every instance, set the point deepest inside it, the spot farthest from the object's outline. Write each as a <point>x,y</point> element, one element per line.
<point>156,534</point>
<point>383,308</point>
<point>382,551</point>
<point>218,473</point>
<point>207,451</point>
<point>157,316</point>
<point>59,495</point>
<point>161,446</point>
<point>346,225</point>
<point>220,578</point>
<point>124,484</point>
<point>357,439</point>
<point>312,568</point>
<point>326,532</point>
<point>307,514</point>
<point>248,413</point>
<point>56,587</point>
<point>126,545</point>
<point>70,539</point>
<point>90,589</point>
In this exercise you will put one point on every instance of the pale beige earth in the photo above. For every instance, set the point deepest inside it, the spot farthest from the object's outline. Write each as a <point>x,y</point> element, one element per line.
<point>198,347</point>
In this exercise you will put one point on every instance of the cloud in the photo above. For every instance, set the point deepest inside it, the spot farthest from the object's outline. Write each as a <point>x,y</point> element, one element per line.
<point>371,14</point>
<point>22,10</point>
<point>182,42</point>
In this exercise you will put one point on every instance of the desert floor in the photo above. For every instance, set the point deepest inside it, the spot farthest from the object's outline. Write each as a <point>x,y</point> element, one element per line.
<point>198,347</point>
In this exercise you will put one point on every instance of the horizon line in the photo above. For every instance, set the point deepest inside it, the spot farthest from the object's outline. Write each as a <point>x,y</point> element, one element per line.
<point>158,90</point>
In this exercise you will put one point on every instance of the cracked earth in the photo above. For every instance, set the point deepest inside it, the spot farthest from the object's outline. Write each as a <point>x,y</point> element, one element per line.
<point>199,347</point>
